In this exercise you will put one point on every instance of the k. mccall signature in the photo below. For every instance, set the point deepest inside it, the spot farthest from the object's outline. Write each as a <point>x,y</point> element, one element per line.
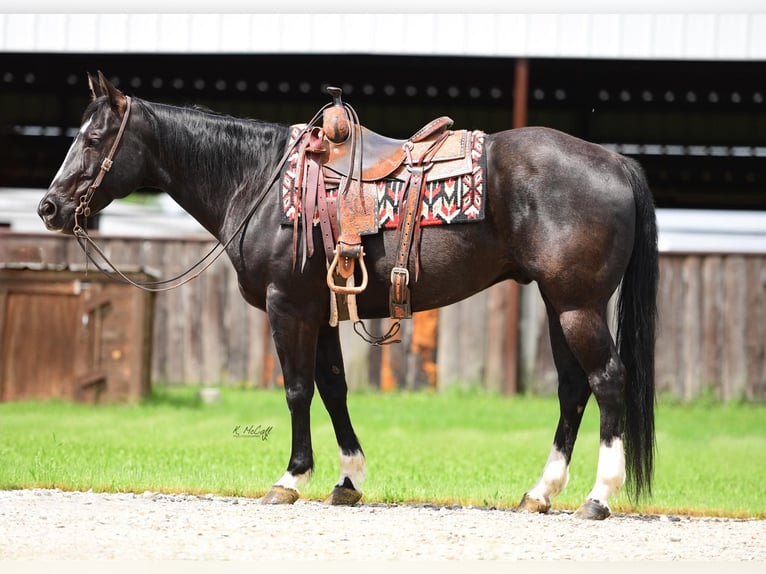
<point>252,431</point>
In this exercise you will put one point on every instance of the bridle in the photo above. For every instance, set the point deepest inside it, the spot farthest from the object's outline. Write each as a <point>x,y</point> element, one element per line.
<point>87,243</point>
<point>83,208</point>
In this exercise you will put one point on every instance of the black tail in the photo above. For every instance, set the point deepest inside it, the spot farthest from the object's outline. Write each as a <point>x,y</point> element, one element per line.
<point>636,331</point>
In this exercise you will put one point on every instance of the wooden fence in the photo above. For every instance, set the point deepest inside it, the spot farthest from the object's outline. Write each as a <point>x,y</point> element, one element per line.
<point>712,326</point>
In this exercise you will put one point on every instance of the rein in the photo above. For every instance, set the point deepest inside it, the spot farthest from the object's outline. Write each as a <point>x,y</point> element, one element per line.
<point>86,242</point>
<point>113,273</point>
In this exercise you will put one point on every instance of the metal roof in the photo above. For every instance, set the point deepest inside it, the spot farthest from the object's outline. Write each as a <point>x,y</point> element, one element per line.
<point>662,35</point>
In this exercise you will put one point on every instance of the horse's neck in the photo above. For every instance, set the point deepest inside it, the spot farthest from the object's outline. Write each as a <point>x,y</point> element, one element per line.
<point>211,162</point>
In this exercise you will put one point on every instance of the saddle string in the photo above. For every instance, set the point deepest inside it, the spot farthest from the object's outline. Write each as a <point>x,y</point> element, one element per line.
<point>377,340</point>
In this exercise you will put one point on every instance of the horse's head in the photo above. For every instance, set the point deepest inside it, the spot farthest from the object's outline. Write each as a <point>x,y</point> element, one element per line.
<point>103,162</point>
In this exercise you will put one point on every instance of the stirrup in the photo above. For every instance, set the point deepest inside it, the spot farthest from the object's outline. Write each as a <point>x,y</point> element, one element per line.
<point>348,289</point>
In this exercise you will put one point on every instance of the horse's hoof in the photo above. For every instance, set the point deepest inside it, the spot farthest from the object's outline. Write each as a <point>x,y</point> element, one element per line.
<point>529,504</point>
<point>343,496</point>
<point>593,510</point>
<point>280,495</point>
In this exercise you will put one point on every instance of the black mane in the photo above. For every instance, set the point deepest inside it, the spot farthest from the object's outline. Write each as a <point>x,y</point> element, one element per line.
<point>227,152</point>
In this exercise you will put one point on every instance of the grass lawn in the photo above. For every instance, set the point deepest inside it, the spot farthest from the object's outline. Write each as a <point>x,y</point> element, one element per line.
<point>454,448</point>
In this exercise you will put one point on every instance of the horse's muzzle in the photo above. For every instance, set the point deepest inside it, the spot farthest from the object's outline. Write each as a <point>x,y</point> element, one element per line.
<point>52,215</point>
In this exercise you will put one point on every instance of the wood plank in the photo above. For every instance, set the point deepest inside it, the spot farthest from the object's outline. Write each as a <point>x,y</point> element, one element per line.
<point>474,338</point>
<point>424,346</point>
<point>664,362</point>
<point>375,355</point>
<point>153,259</point>
<point>356,353</point>
<point>497,313</point>
<point>755,328</point>
<point>176,319</point>
<point>213,369</point>
<point>21,285</point>
<point>734,357</point>
<point>194,295</point>
<point>394,361</point>
<point>712,321</point>
<point>257,347</point>
<point>233,334</point>
<point>4,339</point>
<point>691,329</point>
<point>677,381</point>
<point>448,362</point>
<point>27,315</point>
<point>545,378</point>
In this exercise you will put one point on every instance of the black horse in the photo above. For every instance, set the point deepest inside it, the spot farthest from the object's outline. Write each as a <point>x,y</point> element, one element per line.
<point>573,216</point>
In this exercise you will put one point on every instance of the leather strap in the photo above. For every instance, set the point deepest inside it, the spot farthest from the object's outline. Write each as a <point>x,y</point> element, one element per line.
<point>313,199</point>
<point>83,207</point>
<point>326,221</point>
<point>409,227</point>
<point>308,204</point>
<point>399,296</point>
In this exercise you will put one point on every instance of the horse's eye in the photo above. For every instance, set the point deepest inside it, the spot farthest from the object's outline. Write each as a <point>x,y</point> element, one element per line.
<point>92,140</point>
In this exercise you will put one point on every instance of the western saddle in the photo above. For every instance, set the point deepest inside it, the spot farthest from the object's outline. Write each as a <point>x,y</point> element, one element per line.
<point>344,155</point>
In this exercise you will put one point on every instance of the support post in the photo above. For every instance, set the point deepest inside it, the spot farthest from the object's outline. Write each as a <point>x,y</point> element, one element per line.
<point>502,372</point>
<point>520,109</point>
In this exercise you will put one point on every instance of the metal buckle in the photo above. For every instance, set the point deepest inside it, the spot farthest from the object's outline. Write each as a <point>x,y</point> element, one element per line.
<point>401,271</point>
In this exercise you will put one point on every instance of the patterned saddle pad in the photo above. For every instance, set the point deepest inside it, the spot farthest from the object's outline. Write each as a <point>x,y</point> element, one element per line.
<point>458,198</point>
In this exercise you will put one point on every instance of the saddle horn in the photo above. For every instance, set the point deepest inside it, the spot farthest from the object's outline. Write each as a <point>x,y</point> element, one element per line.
<point>335,119</point>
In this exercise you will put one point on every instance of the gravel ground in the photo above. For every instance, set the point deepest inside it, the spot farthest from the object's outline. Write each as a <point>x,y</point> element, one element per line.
<point>51,524</point>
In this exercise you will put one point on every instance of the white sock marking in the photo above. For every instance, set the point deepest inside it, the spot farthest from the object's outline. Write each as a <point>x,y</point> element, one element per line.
<point>354,468</point>
<point>554,478</point>
<point>610,475</point>
<point>294,481</point>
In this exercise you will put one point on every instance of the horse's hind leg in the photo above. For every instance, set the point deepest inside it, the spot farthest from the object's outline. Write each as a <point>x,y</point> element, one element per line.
<point>587,361</point>
<point>331,383</point>
<point>590,341</point>
<point>573,392</point>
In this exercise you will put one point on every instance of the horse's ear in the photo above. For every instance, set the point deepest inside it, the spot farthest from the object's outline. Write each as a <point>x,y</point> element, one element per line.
<point>116,97</point>
<point>95,88</point>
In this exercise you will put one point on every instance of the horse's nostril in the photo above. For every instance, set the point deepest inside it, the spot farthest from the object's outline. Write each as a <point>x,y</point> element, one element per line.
<point>47,208</point>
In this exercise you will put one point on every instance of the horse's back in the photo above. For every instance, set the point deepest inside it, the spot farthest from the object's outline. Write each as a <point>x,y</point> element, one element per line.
<point>570,170</point>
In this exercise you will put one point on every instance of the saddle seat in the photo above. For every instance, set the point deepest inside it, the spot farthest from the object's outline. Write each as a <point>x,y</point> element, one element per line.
<point>381,155</point>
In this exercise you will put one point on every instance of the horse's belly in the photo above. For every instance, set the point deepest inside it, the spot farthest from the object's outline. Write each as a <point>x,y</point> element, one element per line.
<point>455,262</point>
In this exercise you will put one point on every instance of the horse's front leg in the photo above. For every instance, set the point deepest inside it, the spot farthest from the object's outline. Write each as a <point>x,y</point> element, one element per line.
<point>331,382</point>
<point>296,340</point>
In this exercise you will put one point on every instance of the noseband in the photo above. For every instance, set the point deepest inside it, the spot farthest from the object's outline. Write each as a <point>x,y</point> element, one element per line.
<point>83,208</point>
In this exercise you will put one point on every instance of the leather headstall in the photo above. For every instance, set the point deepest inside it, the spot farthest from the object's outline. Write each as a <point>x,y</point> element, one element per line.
<point>83,208</point>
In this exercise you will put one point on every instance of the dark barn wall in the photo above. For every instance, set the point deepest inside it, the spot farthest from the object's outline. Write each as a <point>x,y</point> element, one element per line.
<point>699,128</point>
